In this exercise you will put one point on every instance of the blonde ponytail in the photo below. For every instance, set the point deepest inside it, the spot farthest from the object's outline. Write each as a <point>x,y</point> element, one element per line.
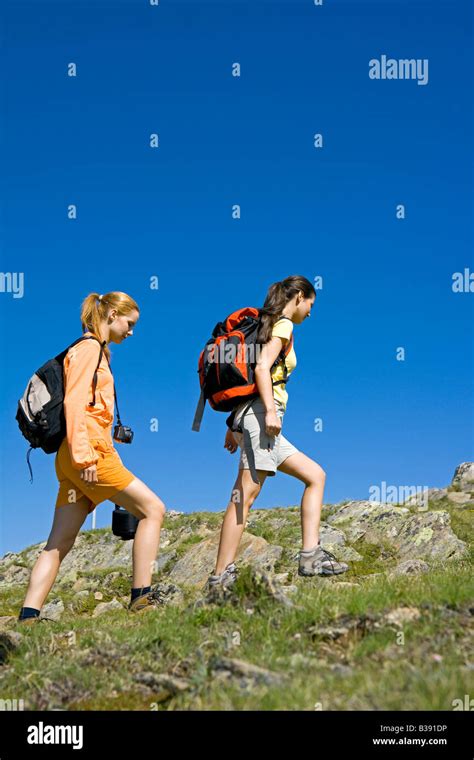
<point>95,308</point>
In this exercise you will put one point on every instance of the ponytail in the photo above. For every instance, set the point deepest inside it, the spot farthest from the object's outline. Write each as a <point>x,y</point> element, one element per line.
<point>279,294</point>
<point>95,308</point>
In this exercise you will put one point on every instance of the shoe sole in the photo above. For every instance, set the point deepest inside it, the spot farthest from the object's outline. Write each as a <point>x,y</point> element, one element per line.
<point>143,605</point>
<point>143,608</point>
<point>323,572</point>
<point>28,621</point>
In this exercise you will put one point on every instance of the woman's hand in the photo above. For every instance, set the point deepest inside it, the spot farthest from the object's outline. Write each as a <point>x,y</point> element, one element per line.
<point>89,474</point>
<point>272,423</point>
<point>230,443</point>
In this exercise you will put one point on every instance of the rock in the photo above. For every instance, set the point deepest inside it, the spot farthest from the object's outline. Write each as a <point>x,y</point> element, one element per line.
<point>422,499</point>
<point>424,535</point>
<point>410,566</point>
<point>11,557</point>
<point>329,632</point>
<point>98,595</point>
<point>61,641</point>
<point>163,559</point>
<point>162,682</point>
<point>246,670</point>
<point>266,583</point>
<point>68,577</point>
<point>464,477</point>
<point>7,620</point>
<point>428,536</point>
<point>341,670</point>
<point>171,513</point>
<point>459,497</point>
<point>97,552</point>
<point>343,553</point>
<point>79,598</point>
<point>108,580</point>
<point>344,625</point>
<point>330,536</point>
<point>9,642</point>
<point>277,523</point>
<point>260,585</point>
<point>82,584</point>
<point>12,573</point>
<point>104,607</point>
<point>437,494</point>
<point>168,593</point>
<point>93,550</point>
<point>402,615</point>
<point>198,563</point>
<point>370,520</point>
<point>53,610</point>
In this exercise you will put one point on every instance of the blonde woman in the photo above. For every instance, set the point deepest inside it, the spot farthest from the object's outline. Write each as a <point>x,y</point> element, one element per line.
<point>288,303</point>
<point>88,467</point>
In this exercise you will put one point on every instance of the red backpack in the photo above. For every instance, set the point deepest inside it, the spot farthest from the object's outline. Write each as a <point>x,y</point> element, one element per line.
<point>227,362</point>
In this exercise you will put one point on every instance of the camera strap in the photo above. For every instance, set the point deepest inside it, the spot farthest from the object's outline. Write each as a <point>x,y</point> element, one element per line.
<point>94,381</point>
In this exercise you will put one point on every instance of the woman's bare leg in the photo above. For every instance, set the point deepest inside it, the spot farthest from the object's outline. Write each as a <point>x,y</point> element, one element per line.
<point>142,502</point>
<point>244,493</point>
<point>313,476</point>
<point>67,523</point>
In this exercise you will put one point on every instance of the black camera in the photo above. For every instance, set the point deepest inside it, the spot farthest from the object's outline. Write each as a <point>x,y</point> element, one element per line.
<point>123,434</point>
<point>124,524</point>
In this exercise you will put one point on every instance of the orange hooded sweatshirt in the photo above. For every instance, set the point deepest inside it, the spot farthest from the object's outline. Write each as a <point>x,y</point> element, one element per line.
<point>85,423</point>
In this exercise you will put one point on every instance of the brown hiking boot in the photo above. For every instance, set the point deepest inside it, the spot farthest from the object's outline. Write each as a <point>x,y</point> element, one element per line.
<point>34,620</point>
<point>150,600</point>
<point>29,620</point>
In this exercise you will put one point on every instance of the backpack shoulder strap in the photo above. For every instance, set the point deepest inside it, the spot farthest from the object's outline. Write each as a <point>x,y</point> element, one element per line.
<point>94,379</point>
<point>281,358</point>
<point>60,358</point>
<point>286,349</point>
<point>289,345</point>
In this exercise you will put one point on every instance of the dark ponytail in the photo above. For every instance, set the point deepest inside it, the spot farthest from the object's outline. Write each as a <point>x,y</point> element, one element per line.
<point>279,294</point>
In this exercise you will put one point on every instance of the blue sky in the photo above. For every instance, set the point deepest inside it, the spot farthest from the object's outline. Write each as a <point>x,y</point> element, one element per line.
<point>166,212</point>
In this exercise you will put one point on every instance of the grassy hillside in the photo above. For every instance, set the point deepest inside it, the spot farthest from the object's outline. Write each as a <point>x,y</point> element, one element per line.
<point>374,638</point>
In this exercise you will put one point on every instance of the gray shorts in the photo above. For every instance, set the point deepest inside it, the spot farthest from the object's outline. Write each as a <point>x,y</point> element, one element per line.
<point>268,451</point>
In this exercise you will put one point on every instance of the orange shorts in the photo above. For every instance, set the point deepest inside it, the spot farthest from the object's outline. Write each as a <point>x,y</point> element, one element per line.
<point>112,475</point>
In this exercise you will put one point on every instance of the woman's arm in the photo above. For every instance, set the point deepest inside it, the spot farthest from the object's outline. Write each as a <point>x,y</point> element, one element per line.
<point>79,367</point>
<point>263,379</point>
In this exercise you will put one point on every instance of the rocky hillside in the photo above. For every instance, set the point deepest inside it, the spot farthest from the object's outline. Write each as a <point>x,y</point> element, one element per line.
<point>274,641</point>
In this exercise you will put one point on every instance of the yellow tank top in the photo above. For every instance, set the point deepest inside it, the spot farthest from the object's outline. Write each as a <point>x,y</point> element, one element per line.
<point>283,329</point>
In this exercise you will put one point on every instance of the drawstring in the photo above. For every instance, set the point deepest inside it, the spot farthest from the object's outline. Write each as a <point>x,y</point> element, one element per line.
<point>28,462</point>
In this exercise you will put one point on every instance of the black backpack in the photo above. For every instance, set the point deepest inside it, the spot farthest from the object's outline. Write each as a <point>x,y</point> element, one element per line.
<point>40,412</point>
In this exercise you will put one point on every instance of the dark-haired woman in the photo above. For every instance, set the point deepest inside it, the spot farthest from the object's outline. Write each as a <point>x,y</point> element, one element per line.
<point>288,303</point>
<point>88,467</point>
